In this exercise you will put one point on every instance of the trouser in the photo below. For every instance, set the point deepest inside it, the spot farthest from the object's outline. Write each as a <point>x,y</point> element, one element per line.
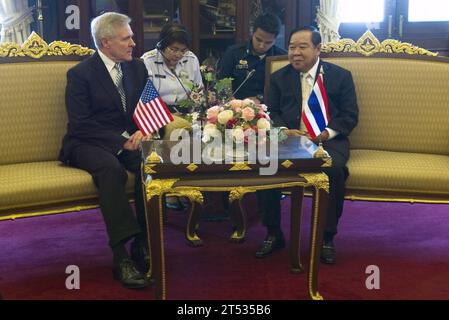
<point>109,174</point>
<point>270,200</point>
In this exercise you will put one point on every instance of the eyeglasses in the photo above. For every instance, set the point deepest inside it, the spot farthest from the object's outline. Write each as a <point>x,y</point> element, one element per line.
<point>178,51</point>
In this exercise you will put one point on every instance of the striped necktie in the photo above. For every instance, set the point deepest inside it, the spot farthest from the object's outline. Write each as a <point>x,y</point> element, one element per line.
<point>118,81</point>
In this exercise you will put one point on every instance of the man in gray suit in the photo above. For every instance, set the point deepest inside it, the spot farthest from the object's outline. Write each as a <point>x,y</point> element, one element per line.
<point>102,138</point>
<point>289,89</point>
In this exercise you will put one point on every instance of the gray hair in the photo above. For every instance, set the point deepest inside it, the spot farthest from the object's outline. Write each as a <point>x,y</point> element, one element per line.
<point>104,26</point>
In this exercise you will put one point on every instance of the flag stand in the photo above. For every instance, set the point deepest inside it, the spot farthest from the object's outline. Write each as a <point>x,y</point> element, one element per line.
<point>321,152</point>
<point>154,157</point>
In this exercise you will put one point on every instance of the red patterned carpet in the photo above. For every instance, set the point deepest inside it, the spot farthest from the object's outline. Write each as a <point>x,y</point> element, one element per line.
<point>409,243</point>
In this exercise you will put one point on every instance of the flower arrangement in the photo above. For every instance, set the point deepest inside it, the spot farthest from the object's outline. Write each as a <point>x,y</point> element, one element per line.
<point>242,119</point>
<point>201,98</point>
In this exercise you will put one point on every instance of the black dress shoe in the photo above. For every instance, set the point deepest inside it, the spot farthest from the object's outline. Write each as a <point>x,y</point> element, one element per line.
<point>328,253</point>
<point>270,245</point>
<point>140,256</point>
<point>128,275</point>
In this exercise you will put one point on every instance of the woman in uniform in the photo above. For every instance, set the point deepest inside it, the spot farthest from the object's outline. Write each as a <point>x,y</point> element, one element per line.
<point>171,65</point>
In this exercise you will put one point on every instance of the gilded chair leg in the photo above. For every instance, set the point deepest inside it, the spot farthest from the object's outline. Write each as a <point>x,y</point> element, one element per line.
<point>192,225</point>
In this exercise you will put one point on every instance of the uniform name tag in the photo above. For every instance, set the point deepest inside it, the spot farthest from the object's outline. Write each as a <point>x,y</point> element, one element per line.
<point>241,67</point>
<point>160,76</point>
<point>243,64</point>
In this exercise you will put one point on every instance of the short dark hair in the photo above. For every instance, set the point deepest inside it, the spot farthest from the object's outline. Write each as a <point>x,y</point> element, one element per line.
<point>173,32</point>
<point>268,22</point>
<point>316,35</point>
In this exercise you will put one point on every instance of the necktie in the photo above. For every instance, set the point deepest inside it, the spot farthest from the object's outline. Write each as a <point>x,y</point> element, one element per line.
<point>118,81</point>
<point>306,88</point>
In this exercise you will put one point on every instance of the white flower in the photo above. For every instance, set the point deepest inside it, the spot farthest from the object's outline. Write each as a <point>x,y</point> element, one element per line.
<point>238,135</point>
<point>225,116</point>
<point>210,131</point>
<point>263,124</point>
<point>195,116</point>
<point>196,126</point>
<point>248,103</point>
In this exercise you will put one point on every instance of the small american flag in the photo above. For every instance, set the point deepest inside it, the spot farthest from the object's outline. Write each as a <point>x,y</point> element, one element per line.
<point>151,113</point>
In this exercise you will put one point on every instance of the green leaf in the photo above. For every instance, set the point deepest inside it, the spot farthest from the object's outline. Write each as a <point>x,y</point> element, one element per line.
<point>188,84</point>
<point>209,77</point>
<point>186,103</point>
<point>223,85</point>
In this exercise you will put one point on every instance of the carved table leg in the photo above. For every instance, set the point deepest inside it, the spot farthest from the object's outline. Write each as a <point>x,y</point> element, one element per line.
<point>238,217</point>
<point>155,219</point>
<point>154,193</point>
<point>238,214</point>
<point>320,199</point>
<point>192,225</point>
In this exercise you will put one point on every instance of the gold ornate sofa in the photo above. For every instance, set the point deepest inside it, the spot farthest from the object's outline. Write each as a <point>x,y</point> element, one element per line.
<point>32,123</point>
<point>400,148</point>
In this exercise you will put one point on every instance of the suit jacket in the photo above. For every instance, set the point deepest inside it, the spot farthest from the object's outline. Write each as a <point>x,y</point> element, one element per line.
<point>94,108</point>
<point>284,102</point>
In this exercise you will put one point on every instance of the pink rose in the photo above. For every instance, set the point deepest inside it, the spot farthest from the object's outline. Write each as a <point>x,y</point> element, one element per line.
<point>236,105</point>
<point>263,107</point>
<point>263,115</point>
<point>213,112</point>
<point>212,120</point>
<point>248,114</point>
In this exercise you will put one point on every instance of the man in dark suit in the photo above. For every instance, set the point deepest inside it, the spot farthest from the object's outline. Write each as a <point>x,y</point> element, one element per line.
<point>102,138</point>
<point>290,89</point>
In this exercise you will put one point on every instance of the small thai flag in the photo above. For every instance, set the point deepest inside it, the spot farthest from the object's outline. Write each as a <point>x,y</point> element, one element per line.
<point>316,113</point>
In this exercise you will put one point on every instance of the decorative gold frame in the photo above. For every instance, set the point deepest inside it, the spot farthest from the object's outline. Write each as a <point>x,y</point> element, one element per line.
<point>161,187</point>
<point>368,45</point>
<point>35,47</point>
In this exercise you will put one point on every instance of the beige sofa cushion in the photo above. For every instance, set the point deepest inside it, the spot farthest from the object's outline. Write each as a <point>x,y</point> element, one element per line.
<point>398,172</point>
<point>34,118</point>
<point>404,104</point>
<point>44,183</point>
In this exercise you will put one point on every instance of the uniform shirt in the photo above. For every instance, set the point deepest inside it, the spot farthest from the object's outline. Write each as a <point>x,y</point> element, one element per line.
<point>165,81</point>
<point>238,61</point>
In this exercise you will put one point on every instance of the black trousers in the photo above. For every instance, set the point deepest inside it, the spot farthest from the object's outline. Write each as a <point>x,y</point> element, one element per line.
<point>271,204</point>
<point>109,174</point>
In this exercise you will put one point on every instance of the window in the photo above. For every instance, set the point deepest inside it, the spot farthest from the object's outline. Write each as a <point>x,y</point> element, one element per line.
<point>424,23</point>
<point>361,10</point>
<point>428,10</point>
